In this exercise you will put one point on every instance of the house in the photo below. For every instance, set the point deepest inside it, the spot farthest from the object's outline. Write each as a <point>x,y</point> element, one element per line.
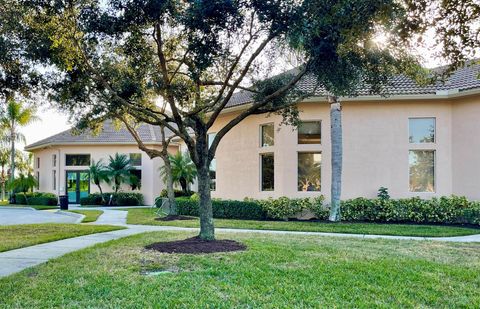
<point>416,141</point>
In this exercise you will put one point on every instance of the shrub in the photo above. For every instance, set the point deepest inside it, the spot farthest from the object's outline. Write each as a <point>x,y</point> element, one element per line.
<point>177,193</point>
<point>383,193</point>
<point>317,207</point>
<point>36,198</point>
<point>225,209</point>
<point>453,209</point>
<point>118,199</point>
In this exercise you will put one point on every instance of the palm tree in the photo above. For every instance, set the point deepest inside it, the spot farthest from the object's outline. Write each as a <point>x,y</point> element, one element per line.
<point>15,117</point>
<point>337,156</point>
<point>24,162</point>
<point>23,183</point>
<point>183,170</point>
<point>119,170</point>
<point>99,173</point>
<point>4,158</point>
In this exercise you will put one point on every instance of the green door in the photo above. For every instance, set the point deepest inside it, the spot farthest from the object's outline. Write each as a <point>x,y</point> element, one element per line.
<point>78,186</point>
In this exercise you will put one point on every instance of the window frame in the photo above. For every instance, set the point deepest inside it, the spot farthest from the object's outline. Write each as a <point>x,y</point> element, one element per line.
<point>78,154</point>
<point>306,121</point>
<point>54,180</point>
<point>434,130</point>
<point>434,171</point>
<point>261,171</point>
<point>321,161</point>
<point>54,160</point>
<point>261,134</point>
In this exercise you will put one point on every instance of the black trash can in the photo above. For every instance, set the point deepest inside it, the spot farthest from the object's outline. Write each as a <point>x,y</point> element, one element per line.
<point>63,199</point>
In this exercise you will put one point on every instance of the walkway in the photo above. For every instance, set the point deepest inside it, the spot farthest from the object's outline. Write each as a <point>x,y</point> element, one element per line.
<point>25,215</point>
<point>16,260</point>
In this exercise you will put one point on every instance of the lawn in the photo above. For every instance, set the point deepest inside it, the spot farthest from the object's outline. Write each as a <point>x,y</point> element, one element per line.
<point>90,215</point>
<point>275,272</point>
<point>37,207</point>
<point>146,216</point>
<point>19,236</point>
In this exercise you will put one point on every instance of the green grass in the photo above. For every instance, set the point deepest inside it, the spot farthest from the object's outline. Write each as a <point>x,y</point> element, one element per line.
<point>275,272</point>
<point>146,216</point>
<point>37,207</point>
<point>90,215</point>
<point>19,236</point>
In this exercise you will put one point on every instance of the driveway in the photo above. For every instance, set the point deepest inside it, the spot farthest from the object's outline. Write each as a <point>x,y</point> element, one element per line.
<point>10,216</point>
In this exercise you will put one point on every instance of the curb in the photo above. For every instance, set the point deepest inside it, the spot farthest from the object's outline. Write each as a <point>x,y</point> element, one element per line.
<point>79,217</point>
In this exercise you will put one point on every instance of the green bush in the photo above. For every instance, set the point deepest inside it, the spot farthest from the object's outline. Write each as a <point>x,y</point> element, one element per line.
<point>453,210</point>
<point>36,198</point>
<point>177,193</point>
<point>225,209</point>
<point>118,199</point>
<point>317,207</point>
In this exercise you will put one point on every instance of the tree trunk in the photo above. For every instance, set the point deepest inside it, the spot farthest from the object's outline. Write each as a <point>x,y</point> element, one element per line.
<point>337,154</point>
<point>101,193</point>
<point>173,211</point>
<point>12,162</point>
<point>207,230</point>
<point>183,183</point>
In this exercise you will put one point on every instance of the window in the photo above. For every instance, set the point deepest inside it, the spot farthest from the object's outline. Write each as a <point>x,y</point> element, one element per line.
<point>268,173</point>
<point>309,132</point>
<point>136,159</point>
<point>136,179</point>
<point>421,130</point>
<point>38,180</point>
<point>54,160</point>
<point>422,170</point>
<point>213,164</point>
<point>267,135</point>
<point>54,180</point>
<point>38,162</point>
<point>213,175</point>
<point>77,160</point>
<point>309,170</point>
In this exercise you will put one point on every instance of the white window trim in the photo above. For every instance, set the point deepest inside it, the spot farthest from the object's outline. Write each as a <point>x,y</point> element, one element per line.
<point>321,131</point>
<point>261,134</point>
<point>434,128</point>
<point>321,171</point>
<point>434,171</point>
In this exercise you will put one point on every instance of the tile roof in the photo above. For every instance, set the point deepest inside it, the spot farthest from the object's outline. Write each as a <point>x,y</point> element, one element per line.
<point>108,135</point>
<point>463,79</point>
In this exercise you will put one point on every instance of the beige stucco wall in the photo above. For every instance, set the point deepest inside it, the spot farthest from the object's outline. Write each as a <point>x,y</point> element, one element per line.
<point>151,182</point>
<point>376,146</point>
<point>466,147</point>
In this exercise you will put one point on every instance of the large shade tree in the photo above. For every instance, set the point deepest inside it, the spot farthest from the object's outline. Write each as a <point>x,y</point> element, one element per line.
<point>116,57</point>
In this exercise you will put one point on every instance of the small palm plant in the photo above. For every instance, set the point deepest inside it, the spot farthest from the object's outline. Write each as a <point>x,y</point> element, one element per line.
<point>98,174</point>
<point>23,183</point>
<point>119,171</point>
<point>183,170</point>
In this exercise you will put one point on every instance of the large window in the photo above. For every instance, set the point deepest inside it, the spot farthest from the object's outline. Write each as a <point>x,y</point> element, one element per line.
<point>213,175</point>
<point>136,159</point>
<point>77,160</point>
<point>309,170</point>
<point>267,172</point>
<point>267,135</point>
<point>38,162</point>
<point>309,132</point>
<point>213,164</point>
<point>136,181</point>
<point>422,170</point>
<point>421,130</point>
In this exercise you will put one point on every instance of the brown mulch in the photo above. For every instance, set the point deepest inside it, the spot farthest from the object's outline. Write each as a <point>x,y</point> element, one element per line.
<point>197,246</point>
<point>174,217</point>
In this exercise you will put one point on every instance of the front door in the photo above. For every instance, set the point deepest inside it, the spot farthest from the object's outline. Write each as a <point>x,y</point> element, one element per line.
<point>78,186</point>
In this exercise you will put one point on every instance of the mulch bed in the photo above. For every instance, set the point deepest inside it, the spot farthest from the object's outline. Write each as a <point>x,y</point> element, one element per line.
<point>174,217</point>
<point>196,245</point>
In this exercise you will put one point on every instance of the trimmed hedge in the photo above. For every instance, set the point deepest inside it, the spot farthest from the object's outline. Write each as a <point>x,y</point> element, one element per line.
<point>224,209</point>
<point>444,210</point>
<point>36,198</point>
<point>119,199</point>
<point>451,210</point>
